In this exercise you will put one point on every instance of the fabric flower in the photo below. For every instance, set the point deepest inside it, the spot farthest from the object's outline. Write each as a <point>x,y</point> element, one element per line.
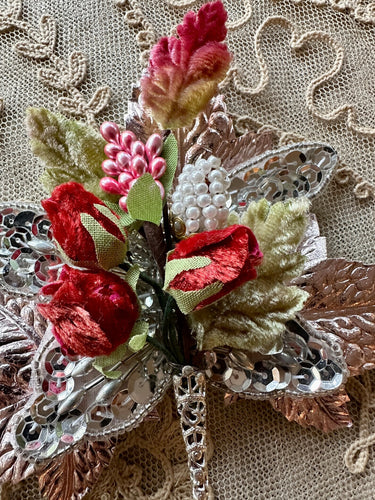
<point>183,73</point>
<point>206,266</point>
<point>87,232</point>
<point>92,312</point>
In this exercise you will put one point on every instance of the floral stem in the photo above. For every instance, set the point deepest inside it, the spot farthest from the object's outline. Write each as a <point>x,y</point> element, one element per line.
<point>162,348</point>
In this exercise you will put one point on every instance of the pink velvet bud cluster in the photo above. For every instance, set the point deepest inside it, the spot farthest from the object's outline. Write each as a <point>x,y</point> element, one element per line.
<point>129,159</point>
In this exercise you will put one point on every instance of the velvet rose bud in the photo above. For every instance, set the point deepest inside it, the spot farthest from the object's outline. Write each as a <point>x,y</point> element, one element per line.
<point>206,266</point>
<point>92,312</point>
<point>87,233</point>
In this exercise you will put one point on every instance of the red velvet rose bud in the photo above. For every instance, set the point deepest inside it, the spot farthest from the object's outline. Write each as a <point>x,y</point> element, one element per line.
<point>87,232</point>
<point>92,312</point>
<point>208,265</point>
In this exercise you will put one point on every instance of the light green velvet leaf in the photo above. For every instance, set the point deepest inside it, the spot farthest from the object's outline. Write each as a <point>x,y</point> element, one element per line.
<point>253,316</point>
<point>187,301</point>
<point>132,276</point>
<point>102,363</point>
<point>278,228</point>
<point>177,266</point>
<point>170,154</point>
<point>69,150</point>
<point>110,251</point>
<point>125,218</point>
<point>138,336</point>
<point>144,200</point>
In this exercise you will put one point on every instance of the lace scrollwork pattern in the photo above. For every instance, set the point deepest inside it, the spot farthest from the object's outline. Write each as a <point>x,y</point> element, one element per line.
<point>64,75</point>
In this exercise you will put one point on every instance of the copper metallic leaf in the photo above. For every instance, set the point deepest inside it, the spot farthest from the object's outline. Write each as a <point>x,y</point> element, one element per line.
<point>326,413</point>
<point>71,475</point>
<point>342,304</point>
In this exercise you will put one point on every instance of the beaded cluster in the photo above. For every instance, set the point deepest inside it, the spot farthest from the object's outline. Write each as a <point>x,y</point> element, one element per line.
<point>201,195</point>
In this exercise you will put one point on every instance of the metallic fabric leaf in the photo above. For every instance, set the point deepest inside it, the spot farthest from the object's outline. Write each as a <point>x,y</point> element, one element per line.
<point>213,134</point>
<point>342,304</point>
<point>137,120</point>
<point>326,413</point>
<point>21,327</point>
<point>313,245</point>
<point>71,475</point>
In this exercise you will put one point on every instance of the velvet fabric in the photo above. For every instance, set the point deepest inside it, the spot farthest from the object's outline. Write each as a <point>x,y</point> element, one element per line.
<point>64,208</point>
<point>234,253</point>
<point>92,312</point>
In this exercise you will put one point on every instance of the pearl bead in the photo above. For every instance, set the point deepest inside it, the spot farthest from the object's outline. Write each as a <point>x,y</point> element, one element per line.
<point>201,188</point>
<point>214,161</point>
<point>188,169</point>
<point>178,208</point>
<point>211,224</point>
<point>190,201</point>
<point>226,183</point>
<point>187,189</point>
<point>203,165</point>
<point>210,211</point>
<point>204,200</point>
<point>222,214</point>
<point>192,225</point>
<point>197,176</point>
<point>183,178</point>
<point>219,200</point>
<point>193,212</point>
<point>177,196</point>
<point>216,187</point>
<point>215,175</point>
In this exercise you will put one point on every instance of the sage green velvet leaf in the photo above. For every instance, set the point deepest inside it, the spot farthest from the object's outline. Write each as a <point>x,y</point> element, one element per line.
<point>176,266</point>
<point>126,219</point>
<point>138,336</point>
<point>278,228</point>
<point>69,150</point>
<point>170,154</point>
<point>253,316</point>
<point>110,251</point>
<point>144,200</point>
<point>104,363</point>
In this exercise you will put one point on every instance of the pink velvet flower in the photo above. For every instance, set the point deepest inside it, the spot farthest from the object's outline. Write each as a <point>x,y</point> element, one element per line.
<point>184,72</point>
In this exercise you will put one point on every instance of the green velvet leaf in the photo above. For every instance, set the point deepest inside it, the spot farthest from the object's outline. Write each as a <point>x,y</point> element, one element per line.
<point>177,266</point>
<point>104,363</point>
<point>170,154</point>
<point>139,335</point>
<point>253,316</point>
<point>188,301</point>
<point>144,200</point>
<point>110,251</point>
<point>69,150</point>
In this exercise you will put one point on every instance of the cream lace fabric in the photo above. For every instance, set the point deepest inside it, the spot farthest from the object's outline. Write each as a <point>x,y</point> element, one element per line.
<point>303,68</point>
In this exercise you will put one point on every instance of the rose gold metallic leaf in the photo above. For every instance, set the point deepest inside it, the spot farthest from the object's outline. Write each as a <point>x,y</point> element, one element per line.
<point>68,477</point>
<point>326,413</point>
<point>342,303</point>
<point>18,341</point>
<point>213,134</point>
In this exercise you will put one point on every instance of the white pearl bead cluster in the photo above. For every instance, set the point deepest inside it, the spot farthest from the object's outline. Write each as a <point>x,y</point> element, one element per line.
<point>201,196</point>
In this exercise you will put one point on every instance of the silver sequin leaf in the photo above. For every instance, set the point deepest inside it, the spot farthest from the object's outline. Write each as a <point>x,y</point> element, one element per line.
<point>72,400</point>
<point>342,306</point>
<point>290,172</point>
<point>26,248</point>
<point>309,364</point>
<point>313,246</point>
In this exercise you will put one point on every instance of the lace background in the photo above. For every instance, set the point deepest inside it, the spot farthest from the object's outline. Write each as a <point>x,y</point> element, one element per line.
<point>302,68</point>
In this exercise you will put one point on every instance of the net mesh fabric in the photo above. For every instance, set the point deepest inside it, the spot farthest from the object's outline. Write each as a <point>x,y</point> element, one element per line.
<point>257,453</point>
